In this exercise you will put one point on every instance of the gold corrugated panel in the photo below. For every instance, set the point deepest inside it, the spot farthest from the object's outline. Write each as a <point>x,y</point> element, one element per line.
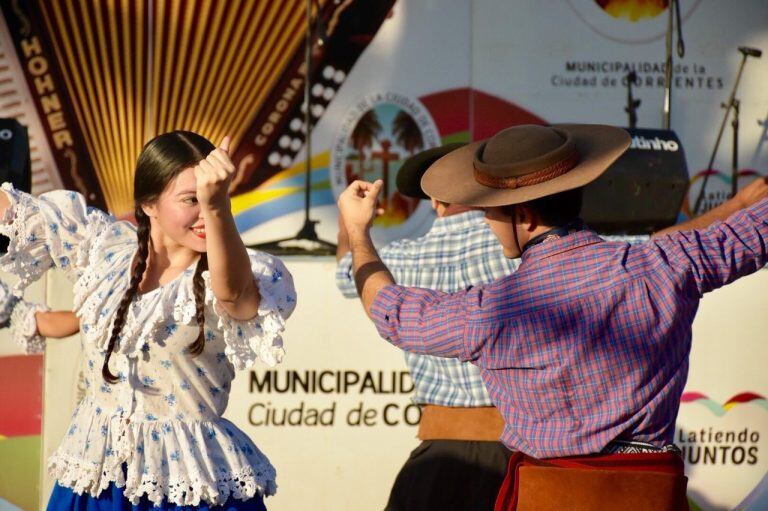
<point>134,69</point>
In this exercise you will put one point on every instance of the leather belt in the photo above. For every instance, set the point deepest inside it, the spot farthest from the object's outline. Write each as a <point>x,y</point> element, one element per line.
<point>483,423</point>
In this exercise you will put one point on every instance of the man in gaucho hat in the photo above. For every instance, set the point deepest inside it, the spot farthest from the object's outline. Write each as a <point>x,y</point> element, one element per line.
<point>584,350</point>
<point>460,462</point>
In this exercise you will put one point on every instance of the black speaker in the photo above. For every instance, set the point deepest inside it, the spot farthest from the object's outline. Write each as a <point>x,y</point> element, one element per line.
<point>15,161</point>
<point>643,191</point>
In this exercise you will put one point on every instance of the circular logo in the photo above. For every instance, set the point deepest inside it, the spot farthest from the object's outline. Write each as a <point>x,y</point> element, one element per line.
<point>378,134</point>
<point>628,21</point>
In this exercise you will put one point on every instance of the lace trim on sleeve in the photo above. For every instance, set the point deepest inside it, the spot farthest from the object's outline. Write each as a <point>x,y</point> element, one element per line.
<point>26,257</point>
<point>55,229</point>
<point>7,303</point>
<point>258,338</point>
<point>24,326</point>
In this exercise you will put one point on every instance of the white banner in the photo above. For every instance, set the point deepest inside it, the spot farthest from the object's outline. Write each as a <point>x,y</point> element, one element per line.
<point>337,422</point>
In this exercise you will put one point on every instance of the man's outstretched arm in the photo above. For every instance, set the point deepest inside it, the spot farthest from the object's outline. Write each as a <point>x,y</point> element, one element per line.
<point>721,253</point>
<point>751,194</point>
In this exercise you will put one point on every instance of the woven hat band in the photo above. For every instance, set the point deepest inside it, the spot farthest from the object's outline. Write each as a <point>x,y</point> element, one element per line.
<point>511,182</point>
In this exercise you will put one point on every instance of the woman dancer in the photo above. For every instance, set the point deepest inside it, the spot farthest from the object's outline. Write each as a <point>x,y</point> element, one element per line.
<point>167,311</point>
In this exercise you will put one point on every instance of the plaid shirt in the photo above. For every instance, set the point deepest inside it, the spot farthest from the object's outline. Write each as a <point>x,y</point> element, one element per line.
<point>588,341</point>
<point>459,251</point>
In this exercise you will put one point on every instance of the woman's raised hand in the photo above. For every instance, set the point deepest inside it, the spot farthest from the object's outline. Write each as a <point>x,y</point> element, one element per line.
<point>214,175</point>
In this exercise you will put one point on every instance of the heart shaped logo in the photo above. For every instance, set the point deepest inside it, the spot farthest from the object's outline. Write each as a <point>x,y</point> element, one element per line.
<point>725,447</point>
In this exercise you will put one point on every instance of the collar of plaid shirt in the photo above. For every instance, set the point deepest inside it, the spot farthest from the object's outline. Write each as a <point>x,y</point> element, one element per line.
<point>551,248</point>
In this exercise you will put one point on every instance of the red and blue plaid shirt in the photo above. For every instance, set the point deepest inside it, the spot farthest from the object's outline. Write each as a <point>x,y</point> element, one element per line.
<point>588,341</point>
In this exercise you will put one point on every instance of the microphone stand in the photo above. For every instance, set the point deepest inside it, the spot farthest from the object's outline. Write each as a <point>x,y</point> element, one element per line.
<point>632,103</point>
<point>674,11</point>
<point>735,152</point>
<point>735,104</point>
<point>306,241</point>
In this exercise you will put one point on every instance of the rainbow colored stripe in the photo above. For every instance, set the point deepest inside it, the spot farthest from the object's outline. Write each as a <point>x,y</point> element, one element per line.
<point>723,177</point>
<point>283,193</point>
<point>720,410</point>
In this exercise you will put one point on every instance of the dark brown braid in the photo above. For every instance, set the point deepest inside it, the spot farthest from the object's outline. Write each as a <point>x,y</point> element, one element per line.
<point>198,287</point>
<point>138,273</point>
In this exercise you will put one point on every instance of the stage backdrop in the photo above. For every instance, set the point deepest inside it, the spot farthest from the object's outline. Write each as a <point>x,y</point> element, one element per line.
<point>468,69</point>
<point>337,422</point>
<point>388,81</point>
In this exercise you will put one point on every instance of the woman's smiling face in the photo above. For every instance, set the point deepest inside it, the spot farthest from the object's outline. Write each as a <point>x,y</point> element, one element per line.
<point>177,212</point>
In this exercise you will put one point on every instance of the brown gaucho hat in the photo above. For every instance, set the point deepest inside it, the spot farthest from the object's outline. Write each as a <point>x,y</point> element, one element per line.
<point>523,163</point>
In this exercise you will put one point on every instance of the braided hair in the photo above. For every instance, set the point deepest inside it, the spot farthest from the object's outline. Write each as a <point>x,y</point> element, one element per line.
<point>161,160</point>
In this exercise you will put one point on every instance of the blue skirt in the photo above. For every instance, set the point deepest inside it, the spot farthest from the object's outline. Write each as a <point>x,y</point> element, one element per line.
<point>112,499</point>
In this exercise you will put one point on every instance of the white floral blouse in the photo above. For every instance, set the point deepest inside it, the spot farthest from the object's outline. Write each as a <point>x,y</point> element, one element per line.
<point>162,420</point>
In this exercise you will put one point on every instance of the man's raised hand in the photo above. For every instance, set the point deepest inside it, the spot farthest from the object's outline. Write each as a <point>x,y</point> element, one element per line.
<point>358,205</point>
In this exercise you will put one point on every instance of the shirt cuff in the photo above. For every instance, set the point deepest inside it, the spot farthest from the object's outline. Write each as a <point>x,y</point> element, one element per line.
<point>384,308</point>
<point>345,280</point>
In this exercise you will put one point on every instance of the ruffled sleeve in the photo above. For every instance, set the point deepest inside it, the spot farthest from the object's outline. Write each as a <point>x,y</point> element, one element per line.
<point>7,303</point>
<point>53,230</point>
<point>258,338</point>
<point>24,326</point>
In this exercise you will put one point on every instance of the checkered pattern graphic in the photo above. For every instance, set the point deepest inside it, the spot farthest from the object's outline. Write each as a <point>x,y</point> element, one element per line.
<point>588,341</point>
<point>458,252</point>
